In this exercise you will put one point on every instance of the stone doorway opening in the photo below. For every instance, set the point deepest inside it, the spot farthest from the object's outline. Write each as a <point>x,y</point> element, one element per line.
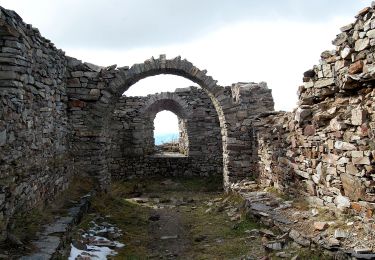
<point>170,135</point>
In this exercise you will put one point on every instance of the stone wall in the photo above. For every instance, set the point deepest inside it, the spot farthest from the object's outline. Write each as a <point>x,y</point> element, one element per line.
<point>326,145</point>
<point>34,132</point>
<point>132,130</point>
<point>176,166</point>
<point>254,99</point>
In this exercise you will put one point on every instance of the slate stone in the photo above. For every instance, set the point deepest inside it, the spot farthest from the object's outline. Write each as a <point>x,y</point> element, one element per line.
<point>3,137</point>
<point>260,207</point>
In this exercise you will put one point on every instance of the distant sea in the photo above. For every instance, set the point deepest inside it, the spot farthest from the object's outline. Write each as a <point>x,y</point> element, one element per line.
<point>165,138</point>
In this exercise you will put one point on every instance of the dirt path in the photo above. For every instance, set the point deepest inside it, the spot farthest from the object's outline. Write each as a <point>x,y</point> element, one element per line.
<point>190,219</point>
<point>169,239</point>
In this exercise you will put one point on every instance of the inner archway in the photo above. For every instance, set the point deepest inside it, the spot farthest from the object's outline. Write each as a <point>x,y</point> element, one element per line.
<point>178,122</point>
<point>198,151</point>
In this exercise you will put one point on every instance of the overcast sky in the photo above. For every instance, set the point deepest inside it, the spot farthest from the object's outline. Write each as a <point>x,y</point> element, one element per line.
<point>239,40</point>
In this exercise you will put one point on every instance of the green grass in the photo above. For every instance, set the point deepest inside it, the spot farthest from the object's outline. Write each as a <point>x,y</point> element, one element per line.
<point>308,254</point>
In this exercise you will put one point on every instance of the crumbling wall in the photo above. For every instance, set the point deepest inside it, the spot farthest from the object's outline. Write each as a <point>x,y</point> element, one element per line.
<point>132,131</point>
<point>35,162</point>
<point>251,99</point>
<point>326,145</point>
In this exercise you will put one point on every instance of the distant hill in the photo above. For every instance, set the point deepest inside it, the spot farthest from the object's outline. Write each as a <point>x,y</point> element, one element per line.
<point>165,138</point>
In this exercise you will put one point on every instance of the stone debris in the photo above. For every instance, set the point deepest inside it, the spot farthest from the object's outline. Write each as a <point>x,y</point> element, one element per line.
<point>339,234</point>
<point>319,225</point>
<point>332,243</point>
<point>274,245</point>
<point>304,228</point>
<point>362,250</point>
<point>169,237</point>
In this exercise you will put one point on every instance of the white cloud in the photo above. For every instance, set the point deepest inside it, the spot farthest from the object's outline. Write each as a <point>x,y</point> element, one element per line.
<point>166,122</point>
<point>117,24</point>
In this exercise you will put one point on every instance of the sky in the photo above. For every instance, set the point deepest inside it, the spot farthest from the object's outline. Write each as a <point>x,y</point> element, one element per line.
<point>236,41</point>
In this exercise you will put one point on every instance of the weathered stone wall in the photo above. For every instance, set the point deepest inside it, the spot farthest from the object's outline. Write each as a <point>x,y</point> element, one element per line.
<point>275,163</point>
<point>90,108</point>
<point>254,99</point>
<point>184,166</point>
<point>326,144</point>
<point>200,137</point>
<point>34,133</point>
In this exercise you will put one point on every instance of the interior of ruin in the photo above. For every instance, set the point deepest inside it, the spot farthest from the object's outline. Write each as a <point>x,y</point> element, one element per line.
<point>61,117</point>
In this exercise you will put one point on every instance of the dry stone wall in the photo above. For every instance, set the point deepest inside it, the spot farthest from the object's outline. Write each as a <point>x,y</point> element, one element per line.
<point>200,135</point>
<point>35,161</point>
<point>326,145</point>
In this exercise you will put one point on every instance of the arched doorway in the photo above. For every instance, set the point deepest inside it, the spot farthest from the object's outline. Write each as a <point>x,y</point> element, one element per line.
<point>235,132</point>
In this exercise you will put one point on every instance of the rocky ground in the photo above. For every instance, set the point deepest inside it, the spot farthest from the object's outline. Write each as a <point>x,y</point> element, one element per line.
<point>179,219</point>
<point>188,219</point>
<point>342,234</point>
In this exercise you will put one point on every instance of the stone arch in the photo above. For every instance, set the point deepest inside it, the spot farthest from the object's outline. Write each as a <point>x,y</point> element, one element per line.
<point>152,67</point>
<point>219,96</point>
<point>172,102</point>
<point>167,101</point>
<point>178,67</point>
<point>236,140</point>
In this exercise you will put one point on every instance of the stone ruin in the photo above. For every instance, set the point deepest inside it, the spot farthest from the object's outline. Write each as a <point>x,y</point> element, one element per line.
<point>61,117</point>
<point>200,138</point>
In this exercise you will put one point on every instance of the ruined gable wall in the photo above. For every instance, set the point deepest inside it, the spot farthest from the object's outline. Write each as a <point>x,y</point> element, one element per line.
<point>34,130</point>
<point>326,145</point>
<point>133,142</point>
<point>90,100</point>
